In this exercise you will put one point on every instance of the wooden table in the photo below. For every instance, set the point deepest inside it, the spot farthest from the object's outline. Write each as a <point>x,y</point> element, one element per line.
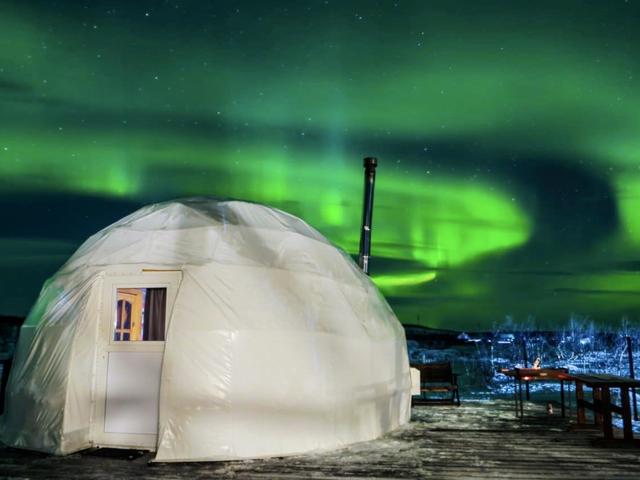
<point>520,375</point>
<point>602,406</point>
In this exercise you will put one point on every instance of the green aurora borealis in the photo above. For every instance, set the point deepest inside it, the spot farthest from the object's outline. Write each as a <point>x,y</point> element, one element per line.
<point>508,135</point>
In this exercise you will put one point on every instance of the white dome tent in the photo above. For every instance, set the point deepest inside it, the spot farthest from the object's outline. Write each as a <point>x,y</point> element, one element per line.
<point>207,330</point>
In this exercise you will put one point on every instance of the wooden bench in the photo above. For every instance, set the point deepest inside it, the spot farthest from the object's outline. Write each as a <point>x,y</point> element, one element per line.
<point>603,405</point>
<point>439,378</point>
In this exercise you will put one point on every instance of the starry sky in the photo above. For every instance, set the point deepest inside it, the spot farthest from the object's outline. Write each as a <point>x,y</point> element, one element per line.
<point>507,132</point>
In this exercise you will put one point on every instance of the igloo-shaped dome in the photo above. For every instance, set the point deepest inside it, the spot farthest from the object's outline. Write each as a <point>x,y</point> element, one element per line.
<point>207,330</point>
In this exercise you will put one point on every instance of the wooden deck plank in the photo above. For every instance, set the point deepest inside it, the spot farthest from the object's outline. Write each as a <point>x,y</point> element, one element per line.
<point>476,440</point>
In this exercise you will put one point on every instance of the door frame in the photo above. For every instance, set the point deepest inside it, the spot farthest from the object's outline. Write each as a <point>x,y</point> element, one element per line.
<point>170,280</point>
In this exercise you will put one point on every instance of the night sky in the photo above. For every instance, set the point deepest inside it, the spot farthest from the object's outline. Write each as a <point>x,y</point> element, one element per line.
<point>508,138</point>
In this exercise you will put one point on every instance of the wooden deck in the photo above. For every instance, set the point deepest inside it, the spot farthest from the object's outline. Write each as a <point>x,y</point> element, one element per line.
<point>476,440</point>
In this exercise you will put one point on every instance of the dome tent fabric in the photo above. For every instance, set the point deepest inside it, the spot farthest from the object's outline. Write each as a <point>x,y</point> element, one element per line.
<point>275,342</point>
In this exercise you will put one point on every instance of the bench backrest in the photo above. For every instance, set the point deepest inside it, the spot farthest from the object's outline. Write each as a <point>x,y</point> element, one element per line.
<point>440,372</point>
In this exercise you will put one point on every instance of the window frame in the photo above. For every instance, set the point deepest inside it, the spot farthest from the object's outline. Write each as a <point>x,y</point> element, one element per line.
<point>169,280</point>
<point>114,328</point>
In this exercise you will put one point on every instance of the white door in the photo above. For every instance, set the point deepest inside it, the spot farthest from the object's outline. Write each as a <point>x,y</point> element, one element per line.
<point>135,313</point>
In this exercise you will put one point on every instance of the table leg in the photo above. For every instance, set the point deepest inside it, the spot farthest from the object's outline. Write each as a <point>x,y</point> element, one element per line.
<point>562,398</point>
<point>626,413</point>
<point>515,395</point>
<point>520,395</point>
<point>607,426</point>
<point>580,403</point>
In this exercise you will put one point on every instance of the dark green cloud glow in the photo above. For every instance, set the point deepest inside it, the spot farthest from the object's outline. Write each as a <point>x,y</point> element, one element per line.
<point>507,134</point>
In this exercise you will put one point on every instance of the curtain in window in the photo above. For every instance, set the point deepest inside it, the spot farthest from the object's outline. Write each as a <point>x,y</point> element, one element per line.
<point>155,309</point>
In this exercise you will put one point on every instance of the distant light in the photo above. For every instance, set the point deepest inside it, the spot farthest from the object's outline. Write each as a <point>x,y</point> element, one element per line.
<point>505,338</point>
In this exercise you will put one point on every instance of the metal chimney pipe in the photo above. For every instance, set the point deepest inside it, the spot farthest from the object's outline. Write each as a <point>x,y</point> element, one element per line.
<point>370,164</point>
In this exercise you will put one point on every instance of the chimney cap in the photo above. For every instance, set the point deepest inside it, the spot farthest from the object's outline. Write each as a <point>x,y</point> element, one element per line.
<point>370,162</point>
